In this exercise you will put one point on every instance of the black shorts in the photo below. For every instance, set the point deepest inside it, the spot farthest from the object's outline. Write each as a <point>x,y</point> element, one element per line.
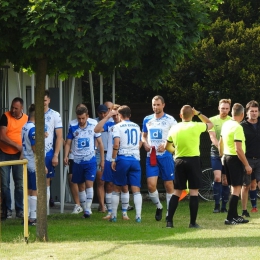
<point>187,169</point>
<point>71,162</point>
<point>234,170</point>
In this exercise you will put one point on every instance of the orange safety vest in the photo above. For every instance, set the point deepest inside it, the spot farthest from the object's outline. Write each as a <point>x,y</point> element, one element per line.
<point>13,132</point>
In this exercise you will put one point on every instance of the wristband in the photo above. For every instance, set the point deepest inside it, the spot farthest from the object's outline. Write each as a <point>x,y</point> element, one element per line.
<point>113,160</point>
<point>199,113</point>
<point>115,149</point>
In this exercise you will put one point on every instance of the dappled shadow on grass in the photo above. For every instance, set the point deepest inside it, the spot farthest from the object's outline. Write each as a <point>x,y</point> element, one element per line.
<point>73,228</point>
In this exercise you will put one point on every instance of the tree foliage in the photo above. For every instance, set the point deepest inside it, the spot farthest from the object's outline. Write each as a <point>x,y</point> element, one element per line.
<point>73,37</point>
<point>225,63</point>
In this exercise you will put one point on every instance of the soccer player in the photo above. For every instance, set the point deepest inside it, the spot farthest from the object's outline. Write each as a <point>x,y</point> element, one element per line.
<point>251,127</point>
<point>102,112</point>
<point>84,166</point>
<point>53,140</point>
<point>184,138</point>
<point>28,139</point>
<point>106,125</point>
<point>154,134</point>
<point>220,187</point>
<point>232,146</point>
<point>73,186</point>
<point>126,161</point>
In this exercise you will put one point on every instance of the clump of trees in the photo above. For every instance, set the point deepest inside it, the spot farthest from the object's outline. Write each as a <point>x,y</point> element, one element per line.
<point>75,37</point>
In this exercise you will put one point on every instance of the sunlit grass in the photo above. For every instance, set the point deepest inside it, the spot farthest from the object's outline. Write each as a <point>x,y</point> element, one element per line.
<point>71,237</point>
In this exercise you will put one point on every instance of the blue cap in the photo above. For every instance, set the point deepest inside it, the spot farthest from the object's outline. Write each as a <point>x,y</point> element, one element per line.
<point>102,108</point>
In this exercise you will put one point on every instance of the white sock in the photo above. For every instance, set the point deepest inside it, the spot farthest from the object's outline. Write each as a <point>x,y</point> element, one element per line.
<point>89,198</point>
<point>115,202</point>
<point>48,195</point>
<point>109,202</point>
<point>82,199</point>
<point>168,197</point>
<point>155,199</point>
<point>33,207</point>
<point>124,201</point>
<point>138,200</point>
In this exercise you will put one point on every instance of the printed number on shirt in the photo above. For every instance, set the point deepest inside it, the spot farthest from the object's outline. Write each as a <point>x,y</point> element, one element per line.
<point>132,137</point>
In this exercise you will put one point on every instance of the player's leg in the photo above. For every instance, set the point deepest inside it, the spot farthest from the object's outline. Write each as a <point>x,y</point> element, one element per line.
<point>235,173</point>
<point>255,177</point>
<point>74,190</point>
<point>100,186</point>
<point>49,176</point>
<point>32,191</point>
<point>194,175</point>
<point>217,186</point>
<point>119,180</point>
<point>108,199</point>
<point>244,194</point>
<point>180,184</point>
<point>89,176</point>
<point>166,166</point>
<point>134,180</point>
<point>79,179</point>
<point>124,202</point>
<point>152,173</point>
<point>107,177</point>
<point>225,191</point>
<point>17,171</point>
<point>253,194</point>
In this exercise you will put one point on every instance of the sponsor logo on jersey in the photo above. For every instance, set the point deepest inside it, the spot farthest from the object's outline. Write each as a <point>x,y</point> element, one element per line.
<point>83,142</point>
<point>155,133</point>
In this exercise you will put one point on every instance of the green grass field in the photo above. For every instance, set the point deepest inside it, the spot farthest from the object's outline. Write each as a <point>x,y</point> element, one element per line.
<point>71,237</point>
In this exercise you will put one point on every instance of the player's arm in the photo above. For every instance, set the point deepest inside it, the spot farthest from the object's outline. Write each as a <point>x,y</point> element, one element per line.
<point>169,146</point>
<point>66,151</point>
<point>220,146</point>
<point>5,139</point>
<point>147,147</point>
<point>58,143</point>
<point>203,118</point>
<point>140,144</point>
<point>242,157</point>
<point>115,151</point>
<point>101,150</point>
<point>213,138</point>
<point>99,127</point>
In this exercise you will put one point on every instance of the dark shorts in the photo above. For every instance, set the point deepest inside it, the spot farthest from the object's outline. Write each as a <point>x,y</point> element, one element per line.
<point>71,162</point>
<point>84,172</point>
<point>234,170</point>
<point>248,178</point>
<point>187,169</point>
<point>164,168</point>
<point>51,169</point>
<point>255,164</point>
<point>32,180</point>
<point>216,164</point>
<point>108,173</point>
<point>127,172</point>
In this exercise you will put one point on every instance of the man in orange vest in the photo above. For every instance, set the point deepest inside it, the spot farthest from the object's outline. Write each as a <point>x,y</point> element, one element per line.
<point>11,124</point>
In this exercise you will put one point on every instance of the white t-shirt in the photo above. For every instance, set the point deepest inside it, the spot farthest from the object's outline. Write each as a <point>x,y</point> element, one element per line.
<point>130,136</point>
<point>73,123</point>
<point>28,140</point>
<point>52,122</point>
<point>157,130</point>
<point>83,149</point>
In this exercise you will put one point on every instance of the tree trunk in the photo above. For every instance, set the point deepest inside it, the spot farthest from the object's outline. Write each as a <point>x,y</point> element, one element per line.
<point>41,228</point>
